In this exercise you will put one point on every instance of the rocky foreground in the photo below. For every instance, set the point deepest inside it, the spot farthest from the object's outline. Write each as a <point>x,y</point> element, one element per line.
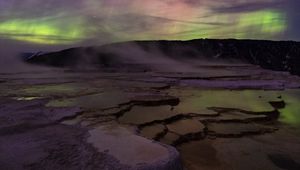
<point>219,117</point>
<point>145,109</point>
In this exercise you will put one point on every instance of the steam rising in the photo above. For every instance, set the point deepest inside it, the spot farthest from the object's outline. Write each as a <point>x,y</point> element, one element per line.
<point>34,25</point>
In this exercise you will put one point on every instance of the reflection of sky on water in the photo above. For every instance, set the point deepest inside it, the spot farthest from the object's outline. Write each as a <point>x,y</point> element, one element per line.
<point>291,113</point>
<point>249,100</point>
<point>191,101</point>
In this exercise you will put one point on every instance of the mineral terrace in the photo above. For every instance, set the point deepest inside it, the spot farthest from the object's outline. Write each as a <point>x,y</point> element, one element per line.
<point>237,116</point>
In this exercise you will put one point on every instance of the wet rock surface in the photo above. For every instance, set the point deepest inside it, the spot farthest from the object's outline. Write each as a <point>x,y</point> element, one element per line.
<point>70,119</point>
<point>154,131</point>
<point>184,127</point>
<point>236,129</point>
<point>133,150</point>
<point>33,138</point>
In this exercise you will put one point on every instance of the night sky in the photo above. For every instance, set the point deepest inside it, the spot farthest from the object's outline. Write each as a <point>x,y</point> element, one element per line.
<point>90,22</point>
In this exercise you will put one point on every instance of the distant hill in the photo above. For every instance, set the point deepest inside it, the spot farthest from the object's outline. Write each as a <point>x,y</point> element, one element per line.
<point>275,55</point>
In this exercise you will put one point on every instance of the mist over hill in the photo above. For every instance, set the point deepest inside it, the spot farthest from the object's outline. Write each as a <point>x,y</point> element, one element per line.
<point>275,55</point>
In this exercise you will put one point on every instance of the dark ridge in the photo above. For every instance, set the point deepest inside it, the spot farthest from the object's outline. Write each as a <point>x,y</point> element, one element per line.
<point>275,55</point>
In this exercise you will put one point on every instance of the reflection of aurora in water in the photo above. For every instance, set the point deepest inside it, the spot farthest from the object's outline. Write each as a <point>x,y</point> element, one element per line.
<point>191,100</point>
<point>249,100</point>
<point>139,20</point>
<point>291,113</point>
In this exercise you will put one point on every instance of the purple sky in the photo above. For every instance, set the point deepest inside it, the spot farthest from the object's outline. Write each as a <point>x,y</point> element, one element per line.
<point>56,24</point>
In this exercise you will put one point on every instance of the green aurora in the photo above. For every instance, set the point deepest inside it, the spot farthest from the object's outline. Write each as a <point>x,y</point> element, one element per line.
<point>96,21</point>
<point>42,31</point>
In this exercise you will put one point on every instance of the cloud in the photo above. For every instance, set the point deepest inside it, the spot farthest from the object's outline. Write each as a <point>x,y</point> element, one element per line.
<point>248,6</point>
<point>121,20</point>
<point>293,16</point>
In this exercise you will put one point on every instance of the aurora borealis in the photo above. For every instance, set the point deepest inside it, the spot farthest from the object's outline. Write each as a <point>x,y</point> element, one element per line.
<point>48,32</point>
<point>58,22</point>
